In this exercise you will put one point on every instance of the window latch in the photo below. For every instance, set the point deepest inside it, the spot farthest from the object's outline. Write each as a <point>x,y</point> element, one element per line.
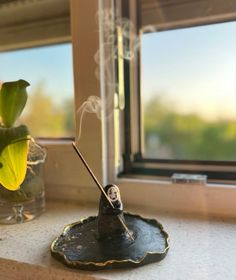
<point>181,178</point>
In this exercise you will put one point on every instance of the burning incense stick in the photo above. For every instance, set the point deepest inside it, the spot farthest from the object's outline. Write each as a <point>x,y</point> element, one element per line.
<point>100,187</point>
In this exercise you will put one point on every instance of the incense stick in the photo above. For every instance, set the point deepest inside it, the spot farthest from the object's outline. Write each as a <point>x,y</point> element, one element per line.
<point>100,187</point>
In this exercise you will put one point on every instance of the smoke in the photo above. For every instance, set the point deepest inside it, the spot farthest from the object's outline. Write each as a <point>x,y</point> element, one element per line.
<point>128,36</point>
<point>93,106</point>
<point>119,41</point>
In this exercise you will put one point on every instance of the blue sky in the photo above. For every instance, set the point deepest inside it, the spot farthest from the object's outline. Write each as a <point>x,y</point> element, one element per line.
<point>51,65</point>
<point>193,69</point>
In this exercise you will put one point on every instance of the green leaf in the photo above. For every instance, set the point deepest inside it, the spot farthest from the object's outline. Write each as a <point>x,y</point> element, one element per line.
<point>12,134</point>
<point>13,165</point>
<point>13,156</point>
<point>13,97</point>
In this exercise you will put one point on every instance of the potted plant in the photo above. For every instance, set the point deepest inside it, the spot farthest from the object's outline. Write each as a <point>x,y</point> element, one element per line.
<point>21,160</point>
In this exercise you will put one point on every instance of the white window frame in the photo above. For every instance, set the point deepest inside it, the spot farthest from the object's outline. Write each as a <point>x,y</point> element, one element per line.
<point>66,177</point>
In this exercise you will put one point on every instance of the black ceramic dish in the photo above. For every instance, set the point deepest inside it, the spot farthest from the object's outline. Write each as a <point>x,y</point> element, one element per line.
<point>80,246</point>
<point>100,242</point>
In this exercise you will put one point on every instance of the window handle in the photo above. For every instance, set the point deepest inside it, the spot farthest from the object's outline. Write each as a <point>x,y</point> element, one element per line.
<point>181,178</point>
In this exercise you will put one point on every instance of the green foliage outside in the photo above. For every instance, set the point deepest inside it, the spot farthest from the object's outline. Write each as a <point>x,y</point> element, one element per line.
<point>187,137</point>
<point>179,136</point>
<point>46,118</point>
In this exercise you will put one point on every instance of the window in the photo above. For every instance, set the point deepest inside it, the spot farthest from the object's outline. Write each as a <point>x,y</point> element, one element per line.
<point>35,46</point>
<point>115,145</point>
<point>180,95</point>
<point>50,107</point>
<point>65,174</point>
<point>39,29</point>
<point>188,93</point>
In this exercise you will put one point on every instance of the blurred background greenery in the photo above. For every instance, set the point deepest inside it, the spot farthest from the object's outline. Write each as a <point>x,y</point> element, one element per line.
<point>46,118</point>
<point>169,134</point>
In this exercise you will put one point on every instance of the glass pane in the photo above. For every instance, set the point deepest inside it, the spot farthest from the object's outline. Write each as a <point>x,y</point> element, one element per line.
<point>188,86</point>
<point>50,105</point>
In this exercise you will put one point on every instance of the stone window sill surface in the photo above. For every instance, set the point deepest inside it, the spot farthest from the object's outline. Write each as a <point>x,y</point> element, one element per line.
<point>200,248</point>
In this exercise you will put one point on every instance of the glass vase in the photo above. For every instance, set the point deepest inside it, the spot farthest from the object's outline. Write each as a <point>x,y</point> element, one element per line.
<point>28,202</point>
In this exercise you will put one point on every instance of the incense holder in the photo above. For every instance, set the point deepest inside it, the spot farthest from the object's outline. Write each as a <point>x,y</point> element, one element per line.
<point>79,245</point>
<point>102,242</point>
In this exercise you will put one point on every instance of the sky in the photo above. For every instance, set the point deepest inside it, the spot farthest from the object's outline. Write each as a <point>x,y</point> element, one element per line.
<point>193,69</point>
<point>50,65</point>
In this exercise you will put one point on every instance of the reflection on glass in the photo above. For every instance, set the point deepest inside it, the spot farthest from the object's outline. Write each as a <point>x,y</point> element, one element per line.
<point>50,105</point>
<point>188,90</point>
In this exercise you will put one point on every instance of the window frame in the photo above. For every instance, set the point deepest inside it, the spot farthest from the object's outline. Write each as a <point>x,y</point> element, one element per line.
<point>65,176</point>
<point>26,24</point>
<point>212,199</point>
<point>134,161</point>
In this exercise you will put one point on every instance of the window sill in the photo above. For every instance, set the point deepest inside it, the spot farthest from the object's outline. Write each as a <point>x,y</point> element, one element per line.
<point>215,200</point>
<point>211,200</point>
<point>200,248</point>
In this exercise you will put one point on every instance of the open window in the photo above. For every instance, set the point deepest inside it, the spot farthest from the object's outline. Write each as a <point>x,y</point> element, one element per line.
<point>179,88</point>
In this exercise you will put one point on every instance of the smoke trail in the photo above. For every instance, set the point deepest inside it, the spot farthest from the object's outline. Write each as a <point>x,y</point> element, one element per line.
<point>130,45</point>
<point>91,105</point>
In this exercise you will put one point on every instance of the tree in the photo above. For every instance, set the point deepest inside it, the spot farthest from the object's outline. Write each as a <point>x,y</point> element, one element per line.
<point>186,136</point>
<point>45,118</point>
